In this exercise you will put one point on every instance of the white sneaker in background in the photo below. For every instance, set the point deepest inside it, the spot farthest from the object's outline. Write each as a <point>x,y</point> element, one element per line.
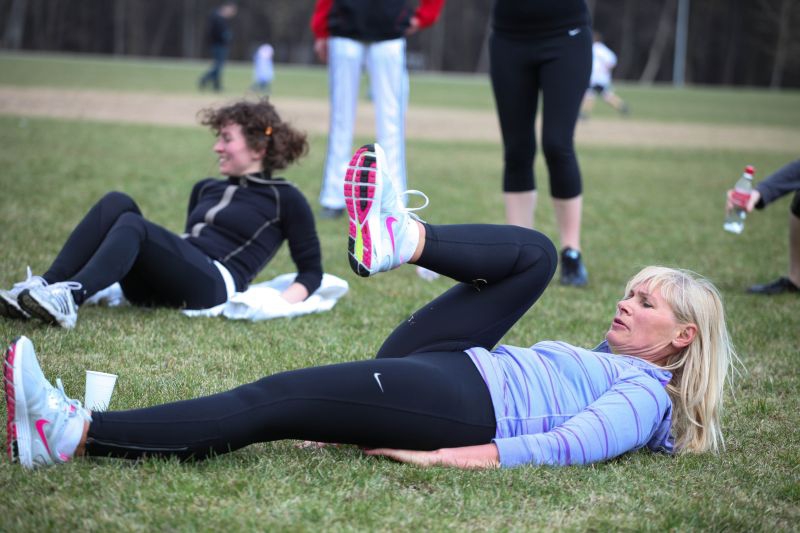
<point>53,304</point>
<point>9,304</point>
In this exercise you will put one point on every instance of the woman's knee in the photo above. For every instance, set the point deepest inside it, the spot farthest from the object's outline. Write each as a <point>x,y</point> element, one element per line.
<point>132,221</point>
<point>537,251</point>
<point>118,202</point>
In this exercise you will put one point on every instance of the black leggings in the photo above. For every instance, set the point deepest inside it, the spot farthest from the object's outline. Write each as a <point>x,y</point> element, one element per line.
<point>559,66</point>
<point>422,392</point>
<point>114,242</point>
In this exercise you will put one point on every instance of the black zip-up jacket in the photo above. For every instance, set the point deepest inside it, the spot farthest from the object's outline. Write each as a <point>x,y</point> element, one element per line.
<point>242,221</point>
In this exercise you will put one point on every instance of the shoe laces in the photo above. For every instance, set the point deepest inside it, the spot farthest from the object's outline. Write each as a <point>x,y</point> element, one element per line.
<point>69,406</point>
<point>29,282</point>
<point>63,288</point>
<point>411,210</point>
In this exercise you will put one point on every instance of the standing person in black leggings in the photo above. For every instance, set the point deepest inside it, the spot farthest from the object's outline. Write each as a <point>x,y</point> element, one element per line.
<point>234,226</point>
<point>541,45</point>
<point>436,394</point>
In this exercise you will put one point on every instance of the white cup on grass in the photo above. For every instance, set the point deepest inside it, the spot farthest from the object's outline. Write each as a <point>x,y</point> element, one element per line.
<point>99,388</point>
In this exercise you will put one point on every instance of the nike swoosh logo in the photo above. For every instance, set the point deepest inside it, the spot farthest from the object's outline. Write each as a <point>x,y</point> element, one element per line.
<point>40,428</point>
<point>574,32</point>
<point>390,229</point>
<point>376,375</point>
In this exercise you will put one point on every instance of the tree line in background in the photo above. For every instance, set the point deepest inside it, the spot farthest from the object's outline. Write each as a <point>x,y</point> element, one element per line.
<point>730,42</point>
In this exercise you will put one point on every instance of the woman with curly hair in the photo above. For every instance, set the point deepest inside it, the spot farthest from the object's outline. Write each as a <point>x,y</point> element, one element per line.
<point>234,226</point>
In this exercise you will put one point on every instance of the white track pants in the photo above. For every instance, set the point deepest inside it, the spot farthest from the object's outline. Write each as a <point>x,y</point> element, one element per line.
<point>388,78</point>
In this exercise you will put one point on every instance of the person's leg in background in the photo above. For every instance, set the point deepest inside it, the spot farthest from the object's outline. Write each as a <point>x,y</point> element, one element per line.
<point>78,249</point>
<point>791,282</point>
<point>386,63</point>
<point>564,77</point>
<point>345,58</point>
<point>515,85</point>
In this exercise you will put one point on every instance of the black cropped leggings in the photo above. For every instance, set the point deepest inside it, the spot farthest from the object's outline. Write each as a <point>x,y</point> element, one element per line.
<point>559,66</point>
<point>421,392</point>
<point>115,243</point>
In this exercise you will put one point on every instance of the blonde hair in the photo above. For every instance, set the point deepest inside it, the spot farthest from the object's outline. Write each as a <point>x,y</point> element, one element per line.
<point>700,370</point>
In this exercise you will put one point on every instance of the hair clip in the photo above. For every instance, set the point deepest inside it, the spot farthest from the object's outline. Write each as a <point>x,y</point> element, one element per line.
<point>268,131</point>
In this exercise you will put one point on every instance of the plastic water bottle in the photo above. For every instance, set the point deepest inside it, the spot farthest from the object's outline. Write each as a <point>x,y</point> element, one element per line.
<point>734,221</point>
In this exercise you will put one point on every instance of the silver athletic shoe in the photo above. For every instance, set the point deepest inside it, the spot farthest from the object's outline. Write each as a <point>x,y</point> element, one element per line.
<point>53,304</point>
<point>9,304</point>
<point>38,413</point>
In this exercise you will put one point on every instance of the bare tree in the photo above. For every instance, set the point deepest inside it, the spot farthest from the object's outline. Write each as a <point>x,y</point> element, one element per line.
<point>15,25</point>
<point>663,32</point>
<point>119,27</point>
<point>782,44</point>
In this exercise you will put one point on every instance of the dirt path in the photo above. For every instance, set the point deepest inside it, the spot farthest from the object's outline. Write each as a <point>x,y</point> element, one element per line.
<point>422,122</point>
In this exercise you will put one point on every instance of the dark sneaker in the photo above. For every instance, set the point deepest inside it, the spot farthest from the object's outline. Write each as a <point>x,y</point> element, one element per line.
<point>779,286</point>
<point>572,270</point>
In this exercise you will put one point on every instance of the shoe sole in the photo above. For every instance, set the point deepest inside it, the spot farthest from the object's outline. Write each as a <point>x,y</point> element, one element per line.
<point>36,309</point>
<point>18,443</point>
<point>362,191</point>
<point>10,308</point>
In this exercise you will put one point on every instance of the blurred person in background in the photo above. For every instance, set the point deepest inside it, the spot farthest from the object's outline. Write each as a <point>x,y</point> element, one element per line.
<point>219,36</point>
<point>263,69</point>
<point>603,62</point>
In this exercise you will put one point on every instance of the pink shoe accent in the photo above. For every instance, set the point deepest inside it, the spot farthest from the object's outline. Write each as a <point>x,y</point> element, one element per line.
<point>40,428</point>
<point>8,375</point>
<point>390,228</point>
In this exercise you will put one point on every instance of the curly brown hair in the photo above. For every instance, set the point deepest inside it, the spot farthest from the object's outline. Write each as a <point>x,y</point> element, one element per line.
<point>262,128</point>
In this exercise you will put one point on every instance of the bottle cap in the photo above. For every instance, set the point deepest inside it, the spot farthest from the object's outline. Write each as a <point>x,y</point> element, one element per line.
<point>750,169</point>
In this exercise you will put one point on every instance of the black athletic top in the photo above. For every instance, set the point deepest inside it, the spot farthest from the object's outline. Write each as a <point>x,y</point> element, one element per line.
<point>242,221</point>
<point>538,18</point>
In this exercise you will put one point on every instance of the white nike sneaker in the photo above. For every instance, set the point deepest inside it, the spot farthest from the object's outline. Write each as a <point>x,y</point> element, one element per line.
<point>53,304</point>
<point>9,304</point>
<point>43,425</point>
<point>383,234</point>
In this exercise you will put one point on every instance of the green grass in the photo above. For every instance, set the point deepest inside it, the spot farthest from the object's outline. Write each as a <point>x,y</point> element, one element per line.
<point>642,206</point>
<point>467,91</point>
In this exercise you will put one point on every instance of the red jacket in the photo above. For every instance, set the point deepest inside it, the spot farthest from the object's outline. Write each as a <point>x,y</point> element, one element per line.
<point>370,20</point>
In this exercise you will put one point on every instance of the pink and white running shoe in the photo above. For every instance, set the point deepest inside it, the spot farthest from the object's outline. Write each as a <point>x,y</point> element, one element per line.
<point>39,414</point>
<point>382,232</point>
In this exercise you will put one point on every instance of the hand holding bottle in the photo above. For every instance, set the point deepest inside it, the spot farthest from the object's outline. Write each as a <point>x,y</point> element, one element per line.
<point>755,196</point>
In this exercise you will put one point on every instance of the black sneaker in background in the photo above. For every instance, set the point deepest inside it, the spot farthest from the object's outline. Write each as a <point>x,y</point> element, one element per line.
<point>779,286</point>
<point>572,270</point>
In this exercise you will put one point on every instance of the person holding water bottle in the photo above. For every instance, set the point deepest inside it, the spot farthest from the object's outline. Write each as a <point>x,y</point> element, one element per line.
<point>740,202</point>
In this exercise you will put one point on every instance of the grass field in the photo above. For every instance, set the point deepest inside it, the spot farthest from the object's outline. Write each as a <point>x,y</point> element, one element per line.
<point>642,206</point>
